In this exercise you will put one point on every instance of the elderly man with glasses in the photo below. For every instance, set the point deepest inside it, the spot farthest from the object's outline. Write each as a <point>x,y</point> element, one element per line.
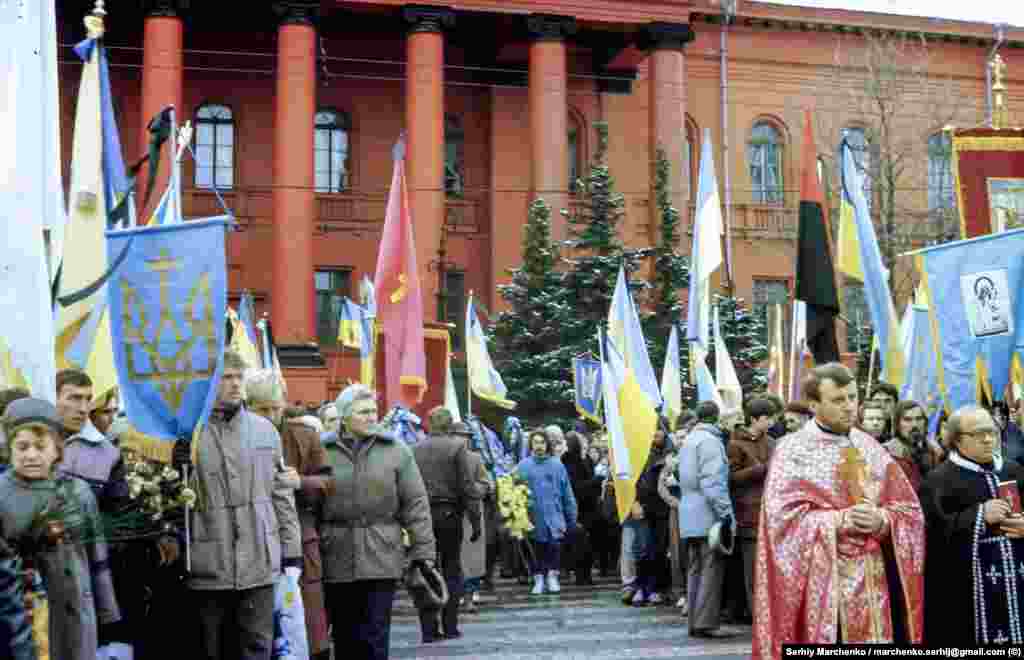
<point>974,549</point>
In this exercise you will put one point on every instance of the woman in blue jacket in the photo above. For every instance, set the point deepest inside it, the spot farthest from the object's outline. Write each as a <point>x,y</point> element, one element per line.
<point>552,508</point>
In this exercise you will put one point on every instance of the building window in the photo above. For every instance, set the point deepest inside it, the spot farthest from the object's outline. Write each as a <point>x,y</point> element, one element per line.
<point>454,305</point>
<point>691,150</point>
<point>940,181</point>
<point>331,146</point>
<point>574,156</point>
<point>860,145</point>
<point>454,143</point>
<point>333,285</point>
<point>764,153</point>
<point>215,147</point>
<point>767,294</point>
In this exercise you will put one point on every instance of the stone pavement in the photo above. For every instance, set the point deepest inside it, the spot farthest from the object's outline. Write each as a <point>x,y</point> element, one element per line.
<point>582,623</point>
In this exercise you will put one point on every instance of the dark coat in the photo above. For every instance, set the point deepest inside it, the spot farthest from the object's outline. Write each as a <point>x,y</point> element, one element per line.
<point>586,488</point>
<point>15,628</point>
<point>950,497</point>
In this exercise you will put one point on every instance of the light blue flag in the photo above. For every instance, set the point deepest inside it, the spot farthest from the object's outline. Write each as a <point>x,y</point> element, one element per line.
<point>247,315</point>
<point>168,300</point>
<point>876,279</point>
<point>922,377</point>
<point>974,288</point>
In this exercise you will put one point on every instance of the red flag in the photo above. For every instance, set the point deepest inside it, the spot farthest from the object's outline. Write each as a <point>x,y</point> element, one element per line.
<point>399,298</point>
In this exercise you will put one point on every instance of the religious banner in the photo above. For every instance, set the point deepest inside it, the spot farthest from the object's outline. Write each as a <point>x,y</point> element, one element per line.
<point>586,381</point>
<point>988,170</point>
<point>167,304</point>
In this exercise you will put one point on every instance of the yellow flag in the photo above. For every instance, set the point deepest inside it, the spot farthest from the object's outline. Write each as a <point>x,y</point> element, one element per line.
<point>639,422</point>
<point>848,247</point>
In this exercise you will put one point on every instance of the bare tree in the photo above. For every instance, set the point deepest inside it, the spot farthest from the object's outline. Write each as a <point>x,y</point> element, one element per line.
<point>885,95</point>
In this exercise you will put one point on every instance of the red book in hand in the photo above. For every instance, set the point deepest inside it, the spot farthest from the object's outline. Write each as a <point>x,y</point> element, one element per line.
<point>1009,491</point>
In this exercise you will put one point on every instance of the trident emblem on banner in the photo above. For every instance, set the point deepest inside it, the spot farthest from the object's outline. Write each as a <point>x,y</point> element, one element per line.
<point>589,386</point>
<point>173,373</point>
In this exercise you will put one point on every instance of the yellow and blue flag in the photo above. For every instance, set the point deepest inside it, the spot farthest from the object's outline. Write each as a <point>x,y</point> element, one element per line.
<point>672,380</point>
<point>706,255</point>
<point>168,302</point>
<point>870,269</point>
<point>625,331</point>
<point>976,306</point>
<point>247,316</point>
<point>484,379</point>
<point>586,384</point>
<point>240,341</point>
<point>355,330</point>
<point>725,373</point>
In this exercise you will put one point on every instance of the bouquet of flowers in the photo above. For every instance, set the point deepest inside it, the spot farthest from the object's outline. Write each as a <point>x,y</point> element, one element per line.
<point>514,506</point>
<point>157,490</point>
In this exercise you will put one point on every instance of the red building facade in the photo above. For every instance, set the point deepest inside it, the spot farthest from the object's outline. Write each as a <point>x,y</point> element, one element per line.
<point>297,105</point>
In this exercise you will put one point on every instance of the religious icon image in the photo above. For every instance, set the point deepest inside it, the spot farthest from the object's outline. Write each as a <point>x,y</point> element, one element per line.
<point>1006,203</point>
<point>986,298</point>
<point>1009,491</point>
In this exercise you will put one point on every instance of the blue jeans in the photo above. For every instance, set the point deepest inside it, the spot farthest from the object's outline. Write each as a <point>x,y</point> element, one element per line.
<point>637,542</point>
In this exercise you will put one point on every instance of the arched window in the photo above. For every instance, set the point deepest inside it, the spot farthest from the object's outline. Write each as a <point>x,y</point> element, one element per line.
<point>330,147</point>
<point>857,138</point>
<point>215,147</point>
<point>940,179</point>
<point>764,154</point>
<point>576,148</point>
<point>454,142</point>
<point>691,156</point>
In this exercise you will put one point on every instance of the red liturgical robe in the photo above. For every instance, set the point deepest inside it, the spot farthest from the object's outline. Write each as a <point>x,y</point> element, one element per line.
<point>816,583</point>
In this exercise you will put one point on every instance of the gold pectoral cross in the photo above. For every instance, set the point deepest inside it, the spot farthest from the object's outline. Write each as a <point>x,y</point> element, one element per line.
<point>400,292</point>
<point>853,472</point>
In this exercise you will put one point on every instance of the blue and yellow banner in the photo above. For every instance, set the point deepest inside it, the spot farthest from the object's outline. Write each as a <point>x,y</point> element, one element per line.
<point>168,300</point>
<point>974,290</point>
<point>586,381</point>
<point>922,376</point>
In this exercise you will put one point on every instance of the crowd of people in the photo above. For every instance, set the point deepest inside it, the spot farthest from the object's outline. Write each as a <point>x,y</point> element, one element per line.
<point>809,520</point>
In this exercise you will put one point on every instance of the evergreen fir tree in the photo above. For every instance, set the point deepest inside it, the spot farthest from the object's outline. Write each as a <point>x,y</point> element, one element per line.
<point>671,272</point>
<point>744,332</point>
<point>526,333</point>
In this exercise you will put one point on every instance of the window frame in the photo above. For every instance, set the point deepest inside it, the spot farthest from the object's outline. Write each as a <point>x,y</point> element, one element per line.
<point>577,127</point>
<point>339,294</point>
<point>455,313</point>
<point>215,122</point>
<point>343,123</point>
<point>453,122</point>
<point>760,191</point>
<point>760,307</point>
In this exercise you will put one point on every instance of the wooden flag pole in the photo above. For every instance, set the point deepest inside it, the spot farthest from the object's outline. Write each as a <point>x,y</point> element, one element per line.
<point>469,369</point>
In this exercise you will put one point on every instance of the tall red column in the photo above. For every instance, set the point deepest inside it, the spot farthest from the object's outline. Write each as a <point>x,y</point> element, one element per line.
<point>294,200</point>
<point>162,83</point>
<point>667,104</point>
<point>549,112</point>
<point>424,124</point>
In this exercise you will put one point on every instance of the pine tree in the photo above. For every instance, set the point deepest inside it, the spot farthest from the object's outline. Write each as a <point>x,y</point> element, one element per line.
<point>526,333</point>
<point>595,253</point>
<point>671,271</point>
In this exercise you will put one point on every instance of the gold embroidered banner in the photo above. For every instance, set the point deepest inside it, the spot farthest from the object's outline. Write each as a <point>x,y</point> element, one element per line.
<point>988,169</point>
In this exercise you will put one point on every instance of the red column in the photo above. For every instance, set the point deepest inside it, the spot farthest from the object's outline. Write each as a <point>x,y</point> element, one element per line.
<point>424,124</point>
<point>667,103</point>
<point>548,102</point>
<point>294,200</point>
<point>162,64</point>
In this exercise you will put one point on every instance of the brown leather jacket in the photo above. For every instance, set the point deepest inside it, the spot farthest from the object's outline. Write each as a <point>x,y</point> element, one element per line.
<point>748,467</point>
<point>304,452</point>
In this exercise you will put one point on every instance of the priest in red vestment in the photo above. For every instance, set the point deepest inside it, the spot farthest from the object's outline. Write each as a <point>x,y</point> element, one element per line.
<point>840,556</point>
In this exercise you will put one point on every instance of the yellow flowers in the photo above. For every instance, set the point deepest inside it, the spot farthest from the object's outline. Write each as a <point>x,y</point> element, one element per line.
<point>514,505</point>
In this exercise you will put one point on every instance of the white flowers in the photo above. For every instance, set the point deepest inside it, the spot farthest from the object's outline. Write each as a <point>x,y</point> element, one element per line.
<point>157,488</point>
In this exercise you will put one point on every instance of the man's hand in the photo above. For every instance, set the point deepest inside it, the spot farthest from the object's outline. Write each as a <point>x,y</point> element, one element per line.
<point>475,525</point>
<point>995,511</point>
<point>288,478</point>
<point>169,550</point>
<point>637,512</point>
<point>865,519</point>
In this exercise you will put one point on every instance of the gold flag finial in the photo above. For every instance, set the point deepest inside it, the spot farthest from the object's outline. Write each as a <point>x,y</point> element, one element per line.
<point>94,26</point>
<point>1000,113</point>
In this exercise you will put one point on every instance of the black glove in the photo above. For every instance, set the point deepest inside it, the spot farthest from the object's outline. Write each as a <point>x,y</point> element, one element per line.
<point>181,456</point>
<point>474,522</point>
<point>727,531</point>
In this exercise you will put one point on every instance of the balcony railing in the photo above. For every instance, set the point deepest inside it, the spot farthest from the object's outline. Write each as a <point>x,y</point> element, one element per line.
<point>352,209</point>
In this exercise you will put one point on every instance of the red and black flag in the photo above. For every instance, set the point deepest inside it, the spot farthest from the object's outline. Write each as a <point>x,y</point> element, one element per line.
<point>815,274</point>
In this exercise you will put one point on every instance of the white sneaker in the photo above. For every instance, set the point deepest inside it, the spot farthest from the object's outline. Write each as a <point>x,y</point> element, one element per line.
<point>538,585</point>
<point>553,585</point>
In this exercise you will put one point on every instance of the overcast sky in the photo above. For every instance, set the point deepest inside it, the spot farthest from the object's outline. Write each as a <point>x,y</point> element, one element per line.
<point>984,11</point>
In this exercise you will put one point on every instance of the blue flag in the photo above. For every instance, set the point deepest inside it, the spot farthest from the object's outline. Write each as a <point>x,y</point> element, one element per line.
<point>974,290</point>
<point>167,304</point>
<point>586,380</point>
<point>921,382</point>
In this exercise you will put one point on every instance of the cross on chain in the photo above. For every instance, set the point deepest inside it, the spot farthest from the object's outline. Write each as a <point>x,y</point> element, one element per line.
<point>1001,638</point>
<point>994,575</point>
<point>852,472</point>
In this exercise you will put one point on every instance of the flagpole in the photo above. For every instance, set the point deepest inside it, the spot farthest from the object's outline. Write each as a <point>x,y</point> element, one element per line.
<point>469,368</point>
<point>871,369</point>
<point>600,350</point>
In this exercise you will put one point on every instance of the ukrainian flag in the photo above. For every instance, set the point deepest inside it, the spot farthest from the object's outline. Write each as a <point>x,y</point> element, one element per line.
<point>860,258</point>
<point>632,391</point>
<point>671,380</point>
<point>975,290</point>
<point>355,330</point>
<point>484,379</point>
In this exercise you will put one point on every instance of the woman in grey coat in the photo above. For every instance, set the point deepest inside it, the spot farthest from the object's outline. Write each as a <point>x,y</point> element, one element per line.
<point>55,521</point>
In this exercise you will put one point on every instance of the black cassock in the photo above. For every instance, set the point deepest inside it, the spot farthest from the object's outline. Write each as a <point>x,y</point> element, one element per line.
<point>974,576</point>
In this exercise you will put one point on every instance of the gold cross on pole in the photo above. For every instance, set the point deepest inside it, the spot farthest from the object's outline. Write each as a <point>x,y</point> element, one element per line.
<point>853,472</point>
